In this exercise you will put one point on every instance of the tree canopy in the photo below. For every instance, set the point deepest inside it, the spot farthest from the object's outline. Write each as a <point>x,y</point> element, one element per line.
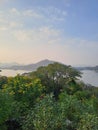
<point>48,99</point>
<point>56,76</point>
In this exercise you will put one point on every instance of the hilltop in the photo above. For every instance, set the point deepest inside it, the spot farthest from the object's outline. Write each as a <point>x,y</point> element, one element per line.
<point>29,67</point>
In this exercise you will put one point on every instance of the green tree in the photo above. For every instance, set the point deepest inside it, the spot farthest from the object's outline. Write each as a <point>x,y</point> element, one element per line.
<point>41,117</point>
<point>5,108</point>
<point>3,81</point>
<point>24,89</point>
<point>88,122</point>
<point>45,116</point>
<point>55,77</point>
<point>25,92</point>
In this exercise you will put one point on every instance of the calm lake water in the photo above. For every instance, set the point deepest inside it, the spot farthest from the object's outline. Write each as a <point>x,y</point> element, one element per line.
<point>89,77</point>
<point>7,72</point>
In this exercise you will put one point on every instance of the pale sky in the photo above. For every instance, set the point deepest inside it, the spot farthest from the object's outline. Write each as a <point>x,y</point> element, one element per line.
<point>59,30</point>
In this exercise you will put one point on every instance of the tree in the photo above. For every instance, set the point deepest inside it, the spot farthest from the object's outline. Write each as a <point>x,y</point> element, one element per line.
<point>3,80</point>
<point>24,89</point>
<point>42,116</point>
<point>5,108</point>
<point>25,92</point>
<point>88,122</point>
<point>55,77</point>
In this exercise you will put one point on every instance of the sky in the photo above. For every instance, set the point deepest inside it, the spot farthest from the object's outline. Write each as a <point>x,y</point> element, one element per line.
<point>59,30</point>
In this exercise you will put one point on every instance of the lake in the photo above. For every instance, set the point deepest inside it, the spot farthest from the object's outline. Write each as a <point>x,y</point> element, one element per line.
<point>89,77</point>
<point>8,72</point>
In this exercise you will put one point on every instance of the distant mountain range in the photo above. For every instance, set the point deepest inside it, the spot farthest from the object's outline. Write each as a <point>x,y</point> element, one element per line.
<point>4,65</point>
<point>95,68</point>
<point>29,67</point>
<point>33,67</point>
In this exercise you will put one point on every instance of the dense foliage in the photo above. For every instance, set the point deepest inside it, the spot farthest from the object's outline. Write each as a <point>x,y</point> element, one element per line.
<point>50,98</point>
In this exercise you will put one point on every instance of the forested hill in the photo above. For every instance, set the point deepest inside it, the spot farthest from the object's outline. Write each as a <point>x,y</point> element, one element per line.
<point>29,67</point>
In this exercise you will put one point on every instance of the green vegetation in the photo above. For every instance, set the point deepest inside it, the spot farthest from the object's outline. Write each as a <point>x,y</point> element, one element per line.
<point>50,98</point>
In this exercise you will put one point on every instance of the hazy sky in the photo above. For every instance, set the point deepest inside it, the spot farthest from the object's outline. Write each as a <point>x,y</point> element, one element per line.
<point>60,30</point>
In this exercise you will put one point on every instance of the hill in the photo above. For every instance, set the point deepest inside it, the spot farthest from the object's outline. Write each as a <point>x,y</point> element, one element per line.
<point>29,67</point>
